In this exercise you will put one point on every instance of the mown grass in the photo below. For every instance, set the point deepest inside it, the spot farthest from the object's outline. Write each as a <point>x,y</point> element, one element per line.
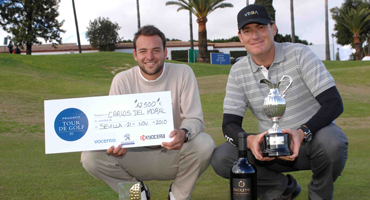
<point>26,81</point>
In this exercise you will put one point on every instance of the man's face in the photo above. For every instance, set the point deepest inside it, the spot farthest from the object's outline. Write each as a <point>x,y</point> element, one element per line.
<point>150,55</point>
<point>258,39</point>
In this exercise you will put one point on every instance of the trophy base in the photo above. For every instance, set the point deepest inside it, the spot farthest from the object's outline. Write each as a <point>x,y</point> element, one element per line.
<point>269,153</point>
<point>276,144</point>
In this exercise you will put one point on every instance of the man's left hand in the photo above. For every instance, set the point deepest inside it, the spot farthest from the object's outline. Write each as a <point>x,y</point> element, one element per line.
<point>297,137</point>
<point>177,142</point>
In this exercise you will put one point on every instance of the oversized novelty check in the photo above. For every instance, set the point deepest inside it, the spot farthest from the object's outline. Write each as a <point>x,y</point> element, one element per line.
<point>97,123</point>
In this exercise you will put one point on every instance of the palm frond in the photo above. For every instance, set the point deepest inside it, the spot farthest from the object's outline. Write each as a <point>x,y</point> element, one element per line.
<point>202,8</point>
<point>181,3</point>
<point>357,21</point>
<point>223,5</point>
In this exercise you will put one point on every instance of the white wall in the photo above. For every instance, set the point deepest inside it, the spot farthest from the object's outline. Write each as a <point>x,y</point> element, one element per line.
<point>125,50</point>
<point>319,50</point>
<point>59,52</point>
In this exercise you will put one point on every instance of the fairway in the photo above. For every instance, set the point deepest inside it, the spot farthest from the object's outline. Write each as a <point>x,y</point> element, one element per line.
<point>26,172</point>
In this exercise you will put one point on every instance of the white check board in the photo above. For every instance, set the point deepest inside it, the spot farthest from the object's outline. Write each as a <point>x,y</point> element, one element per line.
<point>97,123</point>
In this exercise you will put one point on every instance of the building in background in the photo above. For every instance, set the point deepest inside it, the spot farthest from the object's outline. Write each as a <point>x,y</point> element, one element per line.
<point>71,48</point>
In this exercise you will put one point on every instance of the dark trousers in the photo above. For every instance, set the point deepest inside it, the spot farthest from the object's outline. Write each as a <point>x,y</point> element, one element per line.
<point>325,155</point>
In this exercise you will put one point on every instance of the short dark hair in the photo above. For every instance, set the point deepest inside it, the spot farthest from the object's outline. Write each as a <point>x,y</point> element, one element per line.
<point>149,30</point>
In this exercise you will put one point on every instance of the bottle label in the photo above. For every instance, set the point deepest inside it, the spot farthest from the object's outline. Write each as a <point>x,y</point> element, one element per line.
<point>242,189</point>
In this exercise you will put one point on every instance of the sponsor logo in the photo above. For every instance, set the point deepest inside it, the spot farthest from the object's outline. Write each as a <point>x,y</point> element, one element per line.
<point>251,13</point>
<point>127,140</point>
<point>104,141</point>
<point>152,137</point>
<point>142,137</point>
<point>127,136</point>
<point>127,143</point>
<point>71,124</point>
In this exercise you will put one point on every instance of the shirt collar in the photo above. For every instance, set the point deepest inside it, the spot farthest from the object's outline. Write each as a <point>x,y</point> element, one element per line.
<point>279,57</point>
<point>151,81</point>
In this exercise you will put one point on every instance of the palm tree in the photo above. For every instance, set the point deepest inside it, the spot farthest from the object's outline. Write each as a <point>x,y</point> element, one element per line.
<point>191,31</point>
<point>292,20</point>
<point>138,14</point>
<point>201,9</point>
<point>368,43</point>
<point>357,21</point>
<point>327,47</point>
<point>76,23</point>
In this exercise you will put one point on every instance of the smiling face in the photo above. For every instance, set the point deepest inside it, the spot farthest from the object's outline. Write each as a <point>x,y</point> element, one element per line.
<point>258,40</point>
<point>150,55</point>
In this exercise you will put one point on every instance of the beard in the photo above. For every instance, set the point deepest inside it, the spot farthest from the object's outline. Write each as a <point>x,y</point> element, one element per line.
<point>156,71</point>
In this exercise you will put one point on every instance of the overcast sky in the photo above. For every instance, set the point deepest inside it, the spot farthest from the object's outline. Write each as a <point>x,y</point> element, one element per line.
<point>309,19</point>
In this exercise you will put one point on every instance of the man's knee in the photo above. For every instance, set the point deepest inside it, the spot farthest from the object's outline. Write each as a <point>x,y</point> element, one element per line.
<point>204,145</point>
<point>332,145</point>
<point>90,162</point>
<point>223,158</point>
<point>332,140</point>
<point>217,162</point>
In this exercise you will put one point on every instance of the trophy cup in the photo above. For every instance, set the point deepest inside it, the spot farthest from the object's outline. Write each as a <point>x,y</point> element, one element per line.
<point>276,143</point>
<point>129,191</point>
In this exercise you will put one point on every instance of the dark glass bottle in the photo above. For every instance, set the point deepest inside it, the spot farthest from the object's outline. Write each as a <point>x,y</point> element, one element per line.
<point>243,175</point>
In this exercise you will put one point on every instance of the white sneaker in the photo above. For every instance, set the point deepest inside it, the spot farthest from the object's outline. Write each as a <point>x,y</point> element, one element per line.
<point>145,192</point>
<point>170,195</point>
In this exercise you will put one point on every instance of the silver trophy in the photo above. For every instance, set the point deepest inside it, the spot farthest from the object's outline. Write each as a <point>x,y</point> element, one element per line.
<point>276,143</point>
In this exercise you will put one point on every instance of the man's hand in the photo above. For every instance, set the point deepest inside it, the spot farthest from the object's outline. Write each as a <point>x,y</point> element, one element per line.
<point>253,143</point>
<point>297,137</point>
<point>177,142</point>
<point>116,151</point>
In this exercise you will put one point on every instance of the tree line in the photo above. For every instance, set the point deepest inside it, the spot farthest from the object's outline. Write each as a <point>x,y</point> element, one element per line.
<point>353,25</point>
<point>32,20</point>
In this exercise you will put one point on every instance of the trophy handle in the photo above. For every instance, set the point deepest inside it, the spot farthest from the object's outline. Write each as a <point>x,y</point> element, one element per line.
<point>290,83</point>
<point>269,83</point>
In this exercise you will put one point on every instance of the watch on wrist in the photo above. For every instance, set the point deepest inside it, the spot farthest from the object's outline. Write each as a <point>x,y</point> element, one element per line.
<point>187,135</point>
<point>307,133</point>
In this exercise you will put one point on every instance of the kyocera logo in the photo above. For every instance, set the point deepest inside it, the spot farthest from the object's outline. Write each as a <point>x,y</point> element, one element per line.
<point>152,137</point>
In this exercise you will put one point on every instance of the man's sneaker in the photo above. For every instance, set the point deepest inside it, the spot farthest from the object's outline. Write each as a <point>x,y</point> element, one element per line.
<point>292,190</point>
<point>170,195</point>
<point>145,192</point>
